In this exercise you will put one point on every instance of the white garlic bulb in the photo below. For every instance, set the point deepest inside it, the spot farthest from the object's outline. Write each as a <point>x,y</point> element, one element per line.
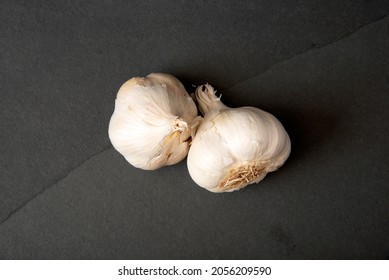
<point>234,147</point>
<point>153,122</point>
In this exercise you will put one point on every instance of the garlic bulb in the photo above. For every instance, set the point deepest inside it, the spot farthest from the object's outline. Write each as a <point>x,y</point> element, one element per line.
<point>153,122</point>
<point>234,147</point>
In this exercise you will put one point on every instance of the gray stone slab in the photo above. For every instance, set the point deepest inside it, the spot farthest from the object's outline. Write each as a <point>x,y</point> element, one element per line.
<point>320,67</point>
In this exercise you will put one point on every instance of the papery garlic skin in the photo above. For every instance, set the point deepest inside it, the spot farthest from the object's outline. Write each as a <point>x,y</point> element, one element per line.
<point>153,122</point>
<point>234,147</point>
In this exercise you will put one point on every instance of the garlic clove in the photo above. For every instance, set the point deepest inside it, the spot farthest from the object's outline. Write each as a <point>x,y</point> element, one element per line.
<point>153,122</point>
<point>234,147</point>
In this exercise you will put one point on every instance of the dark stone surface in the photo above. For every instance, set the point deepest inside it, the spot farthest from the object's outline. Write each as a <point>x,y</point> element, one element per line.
<point>321,67</point>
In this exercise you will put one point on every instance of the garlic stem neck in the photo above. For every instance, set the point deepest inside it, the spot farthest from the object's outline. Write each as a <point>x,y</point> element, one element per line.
<point>207,99</point>
<point>179,125</point>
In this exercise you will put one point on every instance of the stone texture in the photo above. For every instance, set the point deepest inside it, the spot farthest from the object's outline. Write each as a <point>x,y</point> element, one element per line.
<point>321,68</point>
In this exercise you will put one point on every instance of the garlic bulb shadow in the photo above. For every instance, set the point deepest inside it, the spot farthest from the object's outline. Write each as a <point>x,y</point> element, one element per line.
<point>310,130</point>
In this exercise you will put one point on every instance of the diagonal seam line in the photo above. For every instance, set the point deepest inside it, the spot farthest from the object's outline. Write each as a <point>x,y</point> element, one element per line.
<point>20,207</point>
<point>303,52</point>
<point>225,89</point>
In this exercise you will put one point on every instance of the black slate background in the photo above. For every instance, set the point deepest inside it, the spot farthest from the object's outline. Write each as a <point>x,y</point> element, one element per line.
<point>321,67</point>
